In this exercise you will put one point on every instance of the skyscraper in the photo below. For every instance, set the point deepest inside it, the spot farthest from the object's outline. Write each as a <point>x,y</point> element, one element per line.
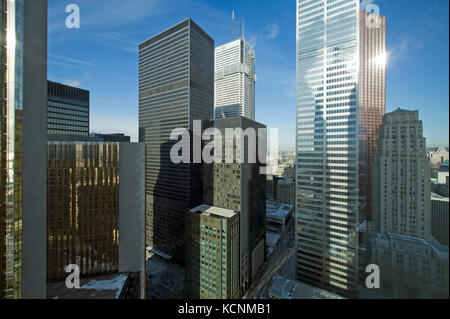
<point>176,78</point>
<point>23,96</point>
<point>401,177</point>
<point>96,208</point>
<point>235,80</point>
<point>68,110</point>
<point>439,219</point>
<point>240,186</point>
<point>212,251</point>
<point>327,203</point>
<point>372,99</point>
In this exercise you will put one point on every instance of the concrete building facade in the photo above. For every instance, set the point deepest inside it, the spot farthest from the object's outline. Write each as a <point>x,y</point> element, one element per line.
<point>401,182</point>
<point>410,267</point>
<point>212,253</point>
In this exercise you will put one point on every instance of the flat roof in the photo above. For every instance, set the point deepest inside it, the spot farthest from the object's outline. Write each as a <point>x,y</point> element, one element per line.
<point>212,210</point>
<point>98,287</point>
<point>277,210</point>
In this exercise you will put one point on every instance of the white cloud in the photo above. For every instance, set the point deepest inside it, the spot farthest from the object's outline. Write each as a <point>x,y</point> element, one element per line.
<point>77,82</point>
<point>269,32</point>
<point>273,31</point>
<point>72,83</point>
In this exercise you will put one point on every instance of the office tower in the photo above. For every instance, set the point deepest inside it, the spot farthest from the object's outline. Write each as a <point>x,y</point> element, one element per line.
<point>286,192</point>
<point>372,99</point>
<point>327,173</point>
<point>240,186</point>
<point>401,177</point>
<point>176,78</point>
<point>235,78</point>
<point>212,253</point>
<point>117,137</point>
<point>23,95</point>
<point>410,267</point>
<point>439,218</point>
<point>95,216</point>
<point>68,110</point>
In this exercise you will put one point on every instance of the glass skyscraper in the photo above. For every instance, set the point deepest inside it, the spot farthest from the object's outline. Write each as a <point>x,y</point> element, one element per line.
<point>11,139</point>
<point>176,78</point>
<point>327,195</point>
<point>68,110</point>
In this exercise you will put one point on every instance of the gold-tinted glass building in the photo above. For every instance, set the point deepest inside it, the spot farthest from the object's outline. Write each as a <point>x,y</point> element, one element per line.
<point>11,147</point>
<point>83,207</point>
<point>212,253</point>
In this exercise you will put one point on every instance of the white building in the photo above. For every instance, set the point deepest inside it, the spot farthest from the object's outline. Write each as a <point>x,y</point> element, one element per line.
<point>437,156</point>
<point>235,79</point>
<point>401,177</point>
<point>410,267</point>
<point>327,174</point>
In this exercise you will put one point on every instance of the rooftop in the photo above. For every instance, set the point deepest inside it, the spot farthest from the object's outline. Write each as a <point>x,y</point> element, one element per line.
<point>99,287</point>
<point>274,209</point>
<point>212,210</point>
<point>282,288</point>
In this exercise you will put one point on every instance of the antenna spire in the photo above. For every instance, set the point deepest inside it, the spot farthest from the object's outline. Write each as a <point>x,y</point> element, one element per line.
<point>232,18</point>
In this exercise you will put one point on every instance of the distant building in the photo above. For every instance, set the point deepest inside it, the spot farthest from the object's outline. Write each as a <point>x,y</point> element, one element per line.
<point>240,187</point>
<point>439,219</point>
<point>116,137</point>
<point>286,192</point>
<point>212,253</point>
<point>372,99</point>
<point>444,166</point>
<point>68,110</point>
<point>401,177</point>
<point>410,267</point>
<point>437,156</point>
<point>278,215</point>
<point>93,220</point>
<point>282,288</point>
<point>234,82</point>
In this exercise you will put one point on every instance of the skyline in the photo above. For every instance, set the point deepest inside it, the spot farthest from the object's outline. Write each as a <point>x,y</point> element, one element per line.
<point>102,57</point>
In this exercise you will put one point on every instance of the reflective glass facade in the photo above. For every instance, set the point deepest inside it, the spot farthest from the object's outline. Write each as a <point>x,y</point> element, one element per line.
<point>11,151</point>
<point>327,198</point>
<point>372,100</point>
<point>82,207</point>
<point>68,110</point>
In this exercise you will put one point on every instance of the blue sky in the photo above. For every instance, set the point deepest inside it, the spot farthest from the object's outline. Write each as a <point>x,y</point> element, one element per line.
<point>102,57</point>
